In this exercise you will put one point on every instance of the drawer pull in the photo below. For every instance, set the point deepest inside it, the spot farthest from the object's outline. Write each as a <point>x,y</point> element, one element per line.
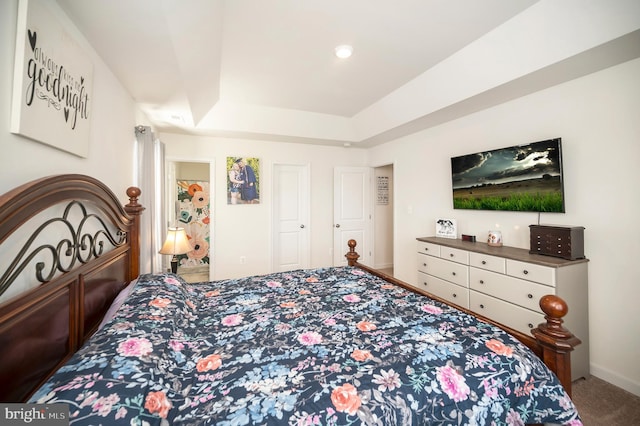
<point>481,306</point>
<point>424,264</point>
<point>530,296</point>
<point>426,249</point>
<point>525,272</point>
<point>453,273</point>
<point>455,295</point>
<point>484,262</point>
<point>481,281</point>
<point>451,254</point>
<point>425,283</point>
<point>530,325</point>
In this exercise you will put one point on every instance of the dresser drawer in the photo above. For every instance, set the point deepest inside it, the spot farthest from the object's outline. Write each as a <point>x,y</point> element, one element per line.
<point>455,255</point>
<point>429,248</point>
<point>513,290</point>
<point>531,272</point>
<point>485,261</point>
<point>444,289</point>
<point>449,271</point>
<point>510,315</point>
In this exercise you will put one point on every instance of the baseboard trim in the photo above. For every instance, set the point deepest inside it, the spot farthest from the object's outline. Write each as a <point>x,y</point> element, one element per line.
<point>615,379</point>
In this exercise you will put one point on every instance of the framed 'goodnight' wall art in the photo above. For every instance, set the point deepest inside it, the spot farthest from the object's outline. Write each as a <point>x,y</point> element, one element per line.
<point>53,80</point>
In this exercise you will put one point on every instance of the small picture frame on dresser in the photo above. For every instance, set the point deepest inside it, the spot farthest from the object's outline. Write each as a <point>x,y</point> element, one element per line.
<point>446,228</point>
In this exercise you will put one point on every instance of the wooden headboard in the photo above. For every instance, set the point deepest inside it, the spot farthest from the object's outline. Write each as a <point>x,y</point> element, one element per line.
<point>76,276</point>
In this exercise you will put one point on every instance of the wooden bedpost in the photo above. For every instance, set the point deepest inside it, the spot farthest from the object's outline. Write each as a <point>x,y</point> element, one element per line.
<point>352,256</point>
<point>134,209</point>
<point>556,341</point>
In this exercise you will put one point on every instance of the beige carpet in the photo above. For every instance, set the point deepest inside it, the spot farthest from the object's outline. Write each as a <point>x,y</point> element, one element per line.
<point>602,404</point>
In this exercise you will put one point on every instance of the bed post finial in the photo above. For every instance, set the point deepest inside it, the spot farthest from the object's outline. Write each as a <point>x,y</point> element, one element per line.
<point>556,341</point>
<point>352,256</point>
<point>134,209</point>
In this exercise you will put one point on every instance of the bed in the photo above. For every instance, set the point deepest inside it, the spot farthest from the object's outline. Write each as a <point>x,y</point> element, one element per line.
<point>335,345</point>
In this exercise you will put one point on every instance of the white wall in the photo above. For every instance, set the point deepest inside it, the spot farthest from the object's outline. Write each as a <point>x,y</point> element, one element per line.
<point>113,119</point>
<point>245,230</point>
<point>597,118</point>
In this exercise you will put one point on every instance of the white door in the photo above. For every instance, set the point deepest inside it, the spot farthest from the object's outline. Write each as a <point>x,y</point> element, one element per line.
<point>351,213</point>
<point>291,249</point>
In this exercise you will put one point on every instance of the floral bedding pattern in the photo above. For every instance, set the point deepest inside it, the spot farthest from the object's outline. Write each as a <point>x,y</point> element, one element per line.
<point>330,346</point>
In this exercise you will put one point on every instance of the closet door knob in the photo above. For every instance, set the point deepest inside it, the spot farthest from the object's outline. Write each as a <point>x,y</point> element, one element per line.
<point>301,226</point>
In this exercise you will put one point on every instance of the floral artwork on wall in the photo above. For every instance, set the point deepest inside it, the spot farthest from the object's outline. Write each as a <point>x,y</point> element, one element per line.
<point>193,215</point>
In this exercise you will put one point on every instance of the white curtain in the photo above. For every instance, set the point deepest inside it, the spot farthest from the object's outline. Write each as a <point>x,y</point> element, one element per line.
<point>150,179</point>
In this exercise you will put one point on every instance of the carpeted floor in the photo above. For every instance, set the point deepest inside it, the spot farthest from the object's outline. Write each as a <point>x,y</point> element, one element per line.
<point>602,404</point>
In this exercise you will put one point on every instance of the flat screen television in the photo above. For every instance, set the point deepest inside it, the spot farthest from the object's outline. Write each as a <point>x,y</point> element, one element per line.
<point>525,178</point>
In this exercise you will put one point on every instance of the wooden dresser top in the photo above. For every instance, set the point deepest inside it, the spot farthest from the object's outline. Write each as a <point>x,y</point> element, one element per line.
<point>513,253</point>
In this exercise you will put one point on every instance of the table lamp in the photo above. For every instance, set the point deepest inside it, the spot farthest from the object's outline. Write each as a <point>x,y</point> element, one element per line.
<point>176,243</point>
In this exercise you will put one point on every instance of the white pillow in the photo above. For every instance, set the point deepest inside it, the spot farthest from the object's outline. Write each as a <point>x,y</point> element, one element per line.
<point>117,302</point>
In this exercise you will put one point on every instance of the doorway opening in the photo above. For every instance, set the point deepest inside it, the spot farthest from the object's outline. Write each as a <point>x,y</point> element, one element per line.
<point>190,206</point>
<point>383,218</point>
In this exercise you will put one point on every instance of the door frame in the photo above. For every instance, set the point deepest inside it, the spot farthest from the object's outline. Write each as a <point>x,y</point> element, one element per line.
<point>170,199</point>
<point>392,189</point>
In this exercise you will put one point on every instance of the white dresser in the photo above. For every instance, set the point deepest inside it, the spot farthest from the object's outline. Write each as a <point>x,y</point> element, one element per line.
<point>506,284</point>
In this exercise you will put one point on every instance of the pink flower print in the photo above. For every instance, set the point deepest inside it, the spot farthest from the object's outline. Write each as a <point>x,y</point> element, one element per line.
<point>104,405</point>
<point>432,309</point>
<point>387,380</point>
<point>330,321</point>
<point>274,284</point>
<point>452,383</point>
<point>513,418</point>
<point>310,338</point>
<point>121,413</point>
<point>176,345</point>
<point>231,320</point>
<point>135,346</point>
<point>353,298</point>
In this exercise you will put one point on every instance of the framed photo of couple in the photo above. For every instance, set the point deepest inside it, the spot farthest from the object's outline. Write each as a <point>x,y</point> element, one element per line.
<point>243,180</point>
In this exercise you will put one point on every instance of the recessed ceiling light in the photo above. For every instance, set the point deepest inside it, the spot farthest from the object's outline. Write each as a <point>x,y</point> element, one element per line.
<point>344,51</point>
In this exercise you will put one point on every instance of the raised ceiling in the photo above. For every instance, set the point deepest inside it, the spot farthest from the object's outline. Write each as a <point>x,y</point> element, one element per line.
<point>266,68</point>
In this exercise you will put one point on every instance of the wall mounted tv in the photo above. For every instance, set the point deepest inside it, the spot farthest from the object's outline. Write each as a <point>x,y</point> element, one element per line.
<point>519,178</point>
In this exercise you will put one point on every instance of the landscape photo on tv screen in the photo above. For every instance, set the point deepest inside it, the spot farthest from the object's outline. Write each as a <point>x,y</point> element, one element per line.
<point>518,178</point>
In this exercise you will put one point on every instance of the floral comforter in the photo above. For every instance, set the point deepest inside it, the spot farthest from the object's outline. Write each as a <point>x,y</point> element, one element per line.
<point>332,346</point>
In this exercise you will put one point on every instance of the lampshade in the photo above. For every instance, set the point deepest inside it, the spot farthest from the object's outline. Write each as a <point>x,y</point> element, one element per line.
<point>176,242</point>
